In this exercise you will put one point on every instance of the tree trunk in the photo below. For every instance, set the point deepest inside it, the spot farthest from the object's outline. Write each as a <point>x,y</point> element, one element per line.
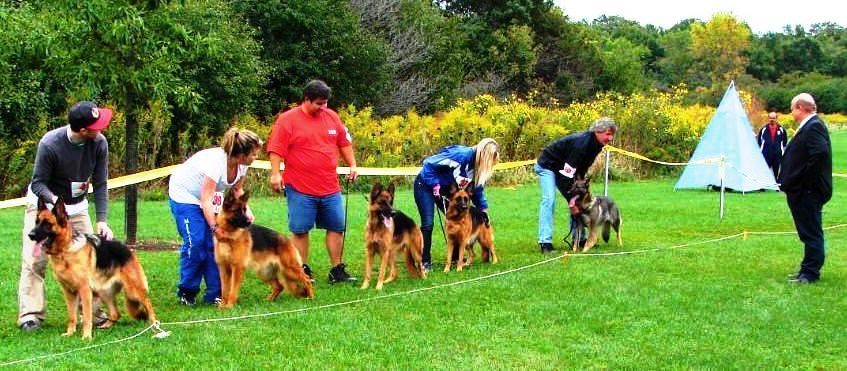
<point>131,167</point>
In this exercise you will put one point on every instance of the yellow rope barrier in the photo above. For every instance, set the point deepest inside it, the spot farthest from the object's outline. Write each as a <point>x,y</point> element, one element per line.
<point>624,152</point>
<point>123,181</point>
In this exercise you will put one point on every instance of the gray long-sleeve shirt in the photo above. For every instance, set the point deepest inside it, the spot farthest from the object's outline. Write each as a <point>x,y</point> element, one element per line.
<point>63,169</point>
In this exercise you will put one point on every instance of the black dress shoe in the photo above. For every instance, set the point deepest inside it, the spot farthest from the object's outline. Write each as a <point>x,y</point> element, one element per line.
<point>31,325</point>
<point>546,247</point>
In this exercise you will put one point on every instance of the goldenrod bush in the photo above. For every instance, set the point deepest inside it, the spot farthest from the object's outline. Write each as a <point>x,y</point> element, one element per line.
<point>655,124</point>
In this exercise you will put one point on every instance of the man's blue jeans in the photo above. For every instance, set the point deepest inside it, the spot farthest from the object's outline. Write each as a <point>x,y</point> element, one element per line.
<point>547,206</point>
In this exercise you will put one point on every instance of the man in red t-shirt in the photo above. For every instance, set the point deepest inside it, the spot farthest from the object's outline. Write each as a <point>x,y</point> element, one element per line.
<point>307,140</point>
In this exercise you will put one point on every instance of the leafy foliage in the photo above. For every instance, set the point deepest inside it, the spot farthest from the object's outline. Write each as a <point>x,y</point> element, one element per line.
<point>719,47</point>
<point>425,53</point>
<point>623,69</point>
<point>166,68</point>
<point>830,93</point>
<point>319,39</point>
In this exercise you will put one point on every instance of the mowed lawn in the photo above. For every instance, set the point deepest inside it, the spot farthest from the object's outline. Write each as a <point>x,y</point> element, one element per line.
<point>721,305</point>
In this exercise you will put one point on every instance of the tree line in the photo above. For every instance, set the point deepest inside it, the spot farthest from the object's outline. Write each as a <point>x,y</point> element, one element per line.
<point>203,62</point>
<point>180,72</point>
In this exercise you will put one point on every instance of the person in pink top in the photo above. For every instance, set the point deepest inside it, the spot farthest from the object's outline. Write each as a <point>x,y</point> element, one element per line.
<point>307,141</point>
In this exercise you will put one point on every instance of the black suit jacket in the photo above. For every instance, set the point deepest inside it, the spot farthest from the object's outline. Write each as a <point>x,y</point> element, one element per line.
<point>807,162</point>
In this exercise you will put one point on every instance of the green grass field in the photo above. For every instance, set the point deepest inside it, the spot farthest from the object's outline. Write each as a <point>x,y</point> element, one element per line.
<point>717,305</point>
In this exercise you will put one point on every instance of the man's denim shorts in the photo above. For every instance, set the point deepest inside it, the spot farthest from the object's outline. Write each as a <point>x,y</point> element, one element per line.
<point>305,211</point>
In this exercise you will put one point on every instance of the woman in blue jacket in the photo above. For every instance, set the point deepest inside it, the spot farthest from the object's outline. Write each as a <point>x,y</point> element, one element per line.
<point>468,167</point>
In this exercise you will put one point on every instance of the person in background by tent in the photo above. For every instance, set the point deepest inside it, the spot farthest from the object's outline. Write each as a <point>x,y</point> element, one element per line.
<point>806,179</point>
<point>772,139</point>
<point>557,166</point>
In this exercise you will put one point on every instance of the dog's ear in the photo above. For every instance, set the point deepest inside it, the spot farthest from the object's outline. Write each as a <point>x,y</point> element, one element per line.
<point>391,189</point>
<point>60,212</point>
<point>230,197</point>
<point>376,190</point>
<point>452,188</point>
<point>41,204</point>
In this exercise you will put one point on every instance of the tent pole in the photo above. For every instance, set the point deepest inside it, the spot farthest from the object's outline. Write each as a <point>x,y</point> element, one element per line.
<point>606,180</point>
<point>723,188</point>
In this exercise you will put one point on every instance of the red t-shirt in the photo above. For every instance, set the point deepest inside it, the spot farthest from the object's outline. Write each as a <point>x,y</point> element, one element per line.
<point>309,146</point>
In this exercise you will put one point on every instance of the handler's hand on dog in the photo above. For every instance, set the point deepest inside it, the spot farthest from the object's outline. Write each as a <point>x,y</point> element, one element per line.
<point>276,182</point>
<point>104,231</point>
<point>572,206</point>
<point>436,190</point>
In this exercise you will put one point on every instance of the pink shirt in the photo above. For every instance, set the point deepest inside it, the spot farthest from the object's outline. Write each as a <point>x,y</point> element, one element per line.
<point>309,146</point>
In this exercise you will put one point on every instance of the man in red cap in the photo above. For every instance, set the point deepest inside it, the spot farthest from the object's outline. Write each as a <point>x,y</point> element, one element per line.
<point>69,159</point>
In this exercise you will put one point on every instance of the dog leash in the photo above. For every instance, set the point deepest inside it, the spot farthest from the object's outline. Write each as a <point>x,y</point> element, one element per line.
<point>440,224</point>
<point>346,207</point>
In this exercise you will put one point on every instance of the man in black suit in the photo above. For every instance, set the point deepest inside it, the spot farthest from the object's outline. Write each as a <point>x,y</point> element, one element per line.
<point>806,179</point>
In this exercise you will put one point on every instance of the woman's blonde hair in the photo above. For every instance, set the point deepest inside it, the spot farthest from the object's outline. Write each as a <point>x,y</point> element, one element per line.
<point>487,153</point>
<point>240,142</point>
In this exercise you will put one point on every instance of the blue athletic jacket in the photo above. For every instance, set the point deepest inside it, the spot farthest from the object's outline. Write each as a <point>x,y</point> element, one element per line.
<point>452,164</point>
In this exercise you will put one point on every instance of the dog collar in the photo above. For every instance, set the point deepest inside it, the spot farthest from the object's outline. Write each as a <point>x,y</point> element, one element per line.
<point>591,204</point>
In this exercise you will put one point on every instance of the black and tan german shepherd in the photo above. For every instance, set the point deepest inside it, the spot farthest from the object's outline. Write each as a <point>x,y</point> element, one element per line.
<point>387,232</point>
<point>595,213</point>
<point>239,245</point>
<point>467,225</point>
<point>98,268</point>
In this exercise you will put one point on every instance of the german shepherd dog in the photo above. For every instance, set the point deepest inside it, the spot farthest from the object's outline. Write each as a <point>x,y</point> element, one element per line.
<point>386,233</point>
<point>239,244</point>
<point>594,212</point>
<point>466,225</point>
<point>99,268</point>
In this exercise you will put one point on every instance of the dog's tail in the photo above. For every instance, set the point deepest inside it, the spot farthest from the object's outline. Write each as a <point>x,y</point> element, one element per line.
<point>293,275</point>
<point>135,289</point>
<point>606,227</point>
<point>414,255</point>
<point>617,226</point>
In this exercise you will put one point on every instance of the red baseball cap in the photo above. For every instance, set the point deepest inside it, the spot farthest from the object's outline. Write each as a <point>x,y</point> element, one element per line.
<point>87,115</point>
